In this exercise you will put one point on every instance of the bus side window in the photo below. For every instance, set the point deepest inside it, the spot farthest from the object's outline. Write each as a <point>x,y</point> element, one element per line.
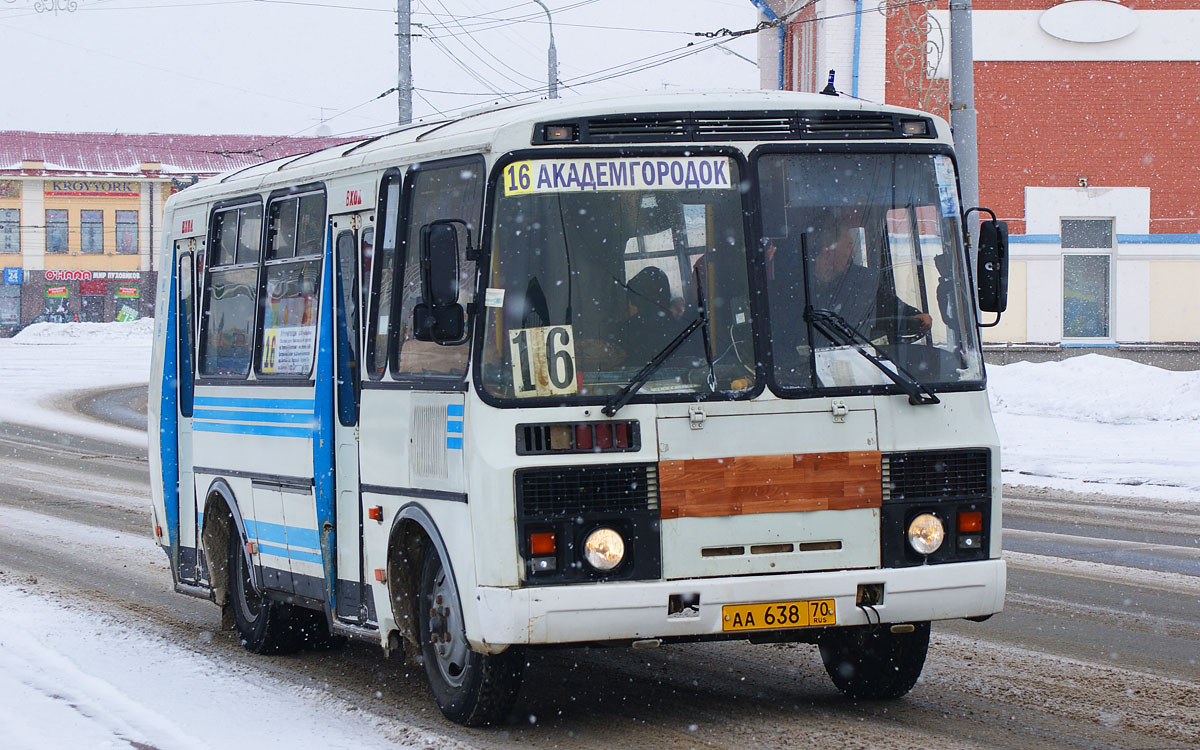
<point>380,305</point>
<point>453,191</point>
<point>230,292</point>
<point>292,282</point>
<point>187,330</point>
<point>367,256</point>
<point>346,267</point>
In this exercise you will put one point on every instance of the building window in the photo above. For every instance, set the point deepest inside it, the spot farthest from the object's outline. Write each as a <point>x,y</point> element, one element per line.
<point>10,305</point>
<point>1087,277</point>
<point>56,230</point>
<point>10,230</point>
<point>1087,234</point>
<point>127,232</point>
<point>91,232</point>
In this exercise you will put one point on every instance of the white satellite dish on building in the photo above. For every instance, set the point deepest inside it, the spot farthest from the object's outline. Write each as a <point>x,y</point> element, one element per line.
<point>1089,21</point>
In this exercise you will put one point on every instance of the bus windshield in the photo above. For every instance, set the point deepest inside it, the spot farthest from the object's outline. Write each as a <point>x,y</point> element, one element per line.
<point>598,264</point>
<point>863,253</point>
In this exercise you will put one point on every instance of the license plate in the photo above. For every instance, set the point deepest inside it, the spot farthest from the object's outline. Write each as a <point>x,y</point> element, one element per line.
<point>776,615</point>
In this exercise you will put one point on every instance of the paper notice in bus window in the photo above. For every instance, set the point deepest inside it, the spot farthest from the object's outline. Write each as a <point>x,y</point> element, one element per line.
<point>493,297</point>
<point>288,351</point>
<point>543,361</point>
<point>601,175</point>
<point>947,186</point>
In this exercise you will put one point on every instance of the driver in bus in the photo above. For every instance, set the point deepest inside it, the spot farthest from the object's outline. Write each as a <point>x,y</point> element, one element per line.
<point>842,286</point>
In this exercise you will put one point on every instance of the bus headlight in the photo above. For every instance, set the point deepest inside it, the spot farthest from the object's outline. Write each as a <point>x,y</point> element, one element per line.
<point>926,533</point>
<point>604,549</point>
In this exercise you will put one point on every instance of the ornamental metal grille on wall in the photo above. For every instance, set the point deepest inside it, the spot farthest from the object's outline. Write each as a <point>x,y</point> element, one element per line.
<point>919,54</point>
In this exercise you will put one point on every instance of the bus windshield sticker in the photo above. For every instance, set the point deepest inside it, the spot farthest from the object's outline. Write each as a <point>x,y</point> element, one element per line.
<point>543,361</point>
<point>493,297</point>
<point>947,186</point>
<point>592,175</point>
<point>288,350</point>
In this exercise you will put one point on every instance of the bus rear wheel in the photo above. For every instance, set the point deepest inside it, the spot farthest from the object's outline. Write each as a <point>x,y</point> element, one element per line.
<point>265,626</point>
<point>873,663</point>
<point>470,688</point>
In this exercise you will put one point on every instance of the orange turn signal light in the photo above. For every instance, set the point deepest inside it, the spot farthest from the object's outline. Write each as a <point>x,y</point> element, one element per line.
<point>971,522</point>
<point>375,513</point>
<point>542,543</point>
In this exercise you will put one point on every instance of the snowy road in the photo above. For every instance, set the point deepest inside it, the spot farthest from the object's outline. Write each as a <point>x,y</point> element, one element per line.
<point>1098,646</point>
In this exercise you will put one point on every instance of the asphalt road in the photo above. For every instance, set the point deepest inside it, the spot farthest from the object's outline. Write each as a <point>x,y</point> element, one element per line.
<point>1098,646</point>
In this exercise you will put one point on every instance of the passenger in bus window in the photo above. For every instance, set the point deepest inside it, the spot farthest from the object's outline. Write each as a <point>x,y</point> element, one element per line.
<point>650,325</point>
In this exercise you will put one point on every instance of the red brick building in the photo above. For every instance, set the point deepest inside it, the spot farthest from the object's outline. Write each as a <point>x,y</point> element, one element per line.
<point>1088,139</point>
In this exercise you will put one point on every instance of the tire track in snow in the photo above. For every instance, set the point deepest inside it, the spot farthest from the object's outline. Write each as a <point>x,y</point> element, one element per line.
<point>98,701</point>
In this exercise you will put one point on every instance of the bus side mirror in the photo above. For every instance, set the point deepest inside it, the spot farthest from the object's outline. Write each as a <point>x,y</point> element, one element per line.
<point>439,316</point>
<point>992,270</point>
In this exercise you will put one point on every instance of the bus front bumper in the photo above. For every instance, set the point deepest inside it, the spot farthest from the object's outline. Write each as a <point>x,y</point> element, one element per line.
<point>639,610</point>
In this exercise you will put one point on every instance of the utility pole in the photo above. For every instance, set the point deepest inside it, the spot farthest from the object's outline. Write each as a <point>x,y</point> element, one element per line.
<point>404,59</point>
<point>551,57</point>
<point>962,106</point>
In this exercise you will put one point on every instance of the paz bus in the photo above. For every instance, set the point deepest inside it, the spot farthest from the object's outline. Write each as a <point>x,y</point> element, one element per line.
<point>631,371</point>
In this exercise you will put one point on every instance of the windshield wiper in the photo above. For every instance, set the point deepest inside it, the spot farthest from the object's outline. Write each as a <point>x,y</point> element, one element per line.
<point>631,388</point>
<point>620,399</point>
<point>835,328</point>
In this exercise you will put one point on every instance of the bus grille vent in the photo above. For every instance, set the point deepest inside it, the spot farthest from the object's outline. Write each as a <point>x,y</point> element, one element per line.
<point>427,457</point>
<point>936,475</point>
<point>666,127</point>
<point>573,490</point>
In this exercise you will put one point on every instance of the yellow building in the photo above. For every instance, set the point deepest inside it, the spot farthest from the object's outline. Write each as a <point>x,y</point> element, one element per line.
<point>81,213</point>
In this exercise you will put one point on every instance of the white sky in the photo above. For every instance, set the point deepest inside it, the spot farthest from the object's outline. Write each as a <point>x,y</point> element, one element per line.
<point>278,67</point>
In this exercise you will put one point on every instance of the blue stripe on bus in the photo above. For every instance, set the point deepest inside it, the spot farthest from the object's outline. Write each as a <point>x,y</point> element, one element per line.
<point>454,410</point>
<point>289,554</point>
<point>454,443</point>
<point>454,427</point>
<point>305,418</point>
<point>292,536</point>
<point>257,403</point>
<point>253,429</point>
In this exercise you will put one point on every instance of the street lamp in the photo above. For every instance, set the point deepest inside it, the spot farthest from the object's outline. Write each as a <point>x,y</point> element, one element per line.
<point>551,55</point>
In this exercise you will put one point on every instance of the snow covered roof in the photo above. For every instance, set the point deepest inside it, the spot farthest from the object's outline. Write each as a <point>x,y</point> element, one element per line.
<point>123,154</point>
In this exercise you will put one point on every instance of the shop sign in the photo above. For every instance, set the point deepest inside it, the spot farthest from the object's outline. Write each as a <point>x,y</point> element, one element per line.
<point>127,292</point>
<point>93,275</point>
<point>91,287</point>
<point>12,275</point>
<point>94,188</point>
<point>56,292</point>
<point>10,188</point>
<point>126,314</point>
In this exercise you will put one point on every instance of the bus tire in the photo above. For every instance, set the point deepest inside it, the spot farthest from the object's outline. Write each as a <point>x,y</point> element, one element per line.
<point>873,663</point>
<point>265,626</point>
<point>470,688</point>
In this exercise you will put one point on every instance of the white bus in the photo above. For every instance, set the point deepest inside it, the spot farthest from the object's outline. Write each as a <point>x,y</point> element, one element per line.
<point>631,371</point>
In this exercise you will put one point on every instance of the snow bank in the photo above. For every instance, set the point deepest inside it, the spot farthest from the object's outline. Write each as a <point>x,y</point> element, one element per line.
<point>46,367</point>
<point>138,332</point>
<point>1097,424</point>
<point>1095,388</point>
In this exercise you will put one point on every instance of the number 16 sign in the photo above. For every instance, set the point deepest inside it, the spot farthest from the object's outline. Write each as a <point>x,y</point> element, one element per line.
<point>543,361</point>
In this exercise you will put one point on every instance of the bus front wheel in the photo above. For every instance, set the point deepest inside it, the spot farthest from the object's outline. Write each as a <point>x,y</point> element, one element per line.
<point>872,662</point>
<point>470,688</point>
<point>264,626</point>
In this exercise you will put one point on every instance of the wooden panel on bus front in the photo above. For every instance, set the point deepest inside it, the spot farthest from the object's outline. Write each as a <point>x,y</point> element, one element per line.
<point>770,484</point>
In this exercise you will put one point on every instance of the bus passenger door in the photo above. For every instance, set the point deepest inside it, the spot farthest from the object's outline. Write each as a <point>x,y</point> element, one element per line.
<point>191,568</point>
<point>353,243</point>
